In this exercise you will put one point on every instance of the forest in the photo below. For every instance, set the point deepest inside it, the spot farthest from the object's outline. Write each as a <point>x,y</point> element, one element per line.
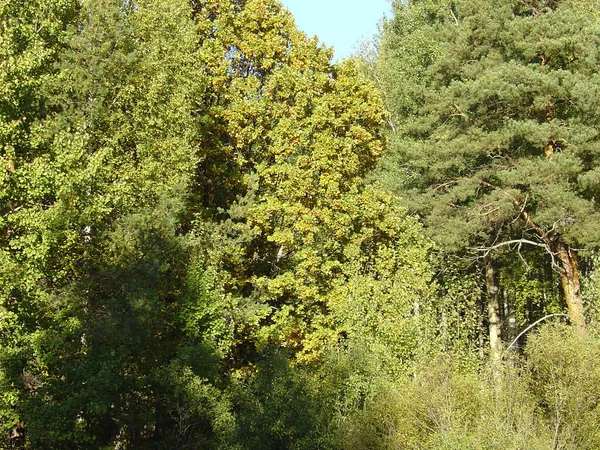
<point>213,236</point>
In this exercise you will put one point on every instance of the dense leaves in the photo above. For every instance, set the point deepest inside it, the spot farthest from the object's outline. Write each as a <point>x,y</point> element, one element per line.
<point>206,241</point>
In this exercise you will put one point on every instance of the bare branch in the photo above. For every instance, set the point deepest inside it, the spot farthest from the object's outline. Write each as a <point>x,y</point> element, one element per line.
<point>14,210</point>
<point>530,327</point>
<point>391,124</point>
<point>459,112</point>
<point>491,211</point>
<point>454,17</point>
<point>523,207</point>
<point>535,11</point>
<point>518,243</point>
<point>557,223</point>
<point>445,185</point>
<point>487,250</point>
<point>528,220</point>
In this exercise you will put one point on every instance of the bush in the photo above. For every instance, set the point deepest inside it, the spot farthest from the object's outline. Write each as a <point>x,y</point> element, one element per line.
<point>565,378</point>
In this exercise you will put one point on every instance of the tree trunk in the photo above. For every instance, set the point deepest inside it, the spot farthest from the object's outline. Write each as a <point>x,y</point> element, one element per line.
<point>493,304</point>
<point>569,278</point>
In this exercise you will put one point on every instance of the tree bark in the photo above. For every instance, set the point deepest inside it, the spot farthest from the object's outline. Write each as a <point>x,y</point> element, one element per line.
<point>493,306</point>
<point>569,278</point>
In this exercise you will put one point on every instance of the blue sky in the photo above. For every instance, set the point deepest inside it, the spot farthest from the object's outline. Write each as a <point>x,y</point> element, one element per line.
<point>339,23</point>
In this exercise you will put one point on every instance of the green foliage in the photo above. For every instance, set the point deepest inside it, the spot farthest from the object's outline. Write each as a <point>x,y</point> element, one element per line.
<point>199,412</point>
<point>493,141</point>
<point>500,124</point>
<point>531,287</point>
<point>294,137</point>
<point>184,191</point>
<point>443,407</point>
<point>565,378</point>
<point>549,400</point>
<point>455,311</point>
<point>591,291</point>
<point>96,200</point>
<point>31,37</point>
<point>192,257</point>
<point>92,366</point>
<point>282,407</point>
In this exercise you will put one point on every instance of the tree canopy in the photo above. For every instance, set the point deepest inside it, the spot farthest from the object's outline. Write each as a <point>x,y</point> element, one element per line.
<point>496,144</point>
<point>212,236</point>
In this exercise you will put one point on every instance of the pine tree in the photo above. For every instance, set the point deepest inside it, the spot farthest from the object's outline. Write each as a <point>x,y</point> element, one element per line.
<point>496,144</point>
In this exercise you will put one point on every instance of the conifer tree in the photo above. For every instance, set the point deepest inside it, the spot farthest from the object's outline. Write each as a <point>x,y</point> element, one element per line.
<point>496,143</point>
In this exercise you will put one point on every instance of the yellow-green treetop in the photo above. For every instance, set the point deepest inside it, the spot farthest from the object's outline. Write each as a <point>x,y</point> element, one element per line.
<point>297,136</point>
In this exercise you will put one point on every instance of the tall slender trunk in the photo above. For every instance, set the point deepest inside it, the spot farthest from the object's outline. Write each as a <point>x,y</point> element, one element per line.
<point>493,306</point>
<point>569,278</point>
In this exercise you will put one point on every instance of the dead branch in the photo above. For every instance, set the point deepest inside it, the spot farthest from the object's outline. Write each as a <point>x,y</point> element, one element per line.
<point>530,327</point>
<point>487,250</point>
<point>445,185</point>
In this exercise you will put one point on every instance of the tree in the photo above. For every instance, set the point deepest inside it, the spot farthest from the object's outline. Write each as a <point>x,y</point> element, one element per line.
<point>93,207</point>
<point>496,145</point>
<point>298,136</point>
<point>187,198</point>
<point>31,37</point>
